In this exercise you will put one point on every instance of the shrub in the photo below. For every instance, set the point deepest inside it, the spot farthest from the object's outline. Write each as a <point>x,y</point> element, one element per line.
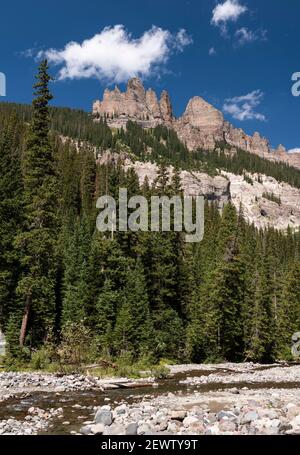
<point>73,350</point>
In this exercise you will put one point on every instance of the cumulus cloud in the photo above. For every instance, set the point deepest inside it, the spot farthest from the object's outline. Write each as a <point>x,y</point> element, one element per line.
<point>243,107</point>
<point>229,11</point>
<point>114,55</point>
<point>296,150</point>
<point>212,51</point>
<point>244,35</point>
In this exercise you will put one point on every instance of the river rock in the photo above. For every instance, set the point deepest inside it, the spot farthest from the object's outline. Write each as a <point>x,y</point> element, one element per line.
<point>188,421</point>
<point>163,426</point>
<point>296,422</point>
<point>174,427</point>
<point>178,415</point>
<point>235,391</point>
<point>196,428</point>
<point>86,430</point>
<point>132,429</point>
<point>292,410</point>
<point>98,428</point>
<point>226,415</point>
<point>227,426</point>
<point>284,427</point>
<point>249,417</point>
<point>114,430</point>
<point>143,429</point>
<point>104,416</point>
<point>121,409</point>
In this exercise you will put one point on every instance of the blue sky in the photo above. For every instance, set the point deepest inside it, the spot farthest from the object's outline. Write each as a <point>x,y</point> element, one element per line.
<point>239,56</point>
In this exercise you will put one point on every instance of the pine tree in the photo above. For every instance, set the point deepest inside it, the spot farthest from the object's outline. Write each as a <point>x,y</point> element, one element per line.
<point>75,265</point>
<point>133,325</point>
<point>88,183</point>
<point>261,344</point>
<point>37,242</point>
<point>106,305</point>
<point>218,305</point>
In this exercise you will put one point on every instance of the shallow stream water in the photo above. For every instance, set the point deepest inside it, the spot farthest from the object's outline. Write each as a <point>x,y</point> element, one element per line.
<point>74,417</point>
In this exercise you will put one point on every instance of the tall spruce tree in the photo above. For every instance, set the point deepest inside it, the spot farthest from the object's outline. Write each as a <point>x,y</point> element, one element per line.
<point>37,242</point>
<point>261,343</point>
<point>133,328</point>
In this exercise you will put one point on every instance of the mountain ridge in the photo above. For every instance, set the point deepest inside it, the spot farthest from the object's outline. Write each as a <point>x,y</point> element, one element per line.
<point>200,126</point>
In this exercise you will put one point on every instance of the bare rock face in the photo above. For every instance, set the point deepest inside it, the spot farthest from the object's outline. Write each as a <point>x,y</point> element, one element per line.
<point>203,116</point>
<point>261,211</point>
<point>194,138</point>
<point>152,104</point>
<point>135,104</point>
<point>293,159</point>
<point>166,108</point>
<point>201,125</point>
<point>236,137</point>
<point>259,145</point>
<point>193,183</point>
<point>280,151</point>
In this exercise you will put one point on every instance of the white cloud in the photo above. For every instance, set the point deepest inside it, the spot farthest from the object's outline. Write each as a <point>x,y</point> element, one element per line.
<point>244,35</point>
<point>182,39</point>
<point>212,51</point>
<point>243,107</point>
<point>296,150</point>
<point>114,55</point>
<point>228,11</point>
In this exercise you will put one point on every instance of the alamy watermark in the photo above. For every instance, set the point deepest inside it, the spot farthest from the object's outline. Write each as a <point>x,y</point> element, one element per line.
<point>296,86</point>
<point>176,213</point>
<point>2,84</point>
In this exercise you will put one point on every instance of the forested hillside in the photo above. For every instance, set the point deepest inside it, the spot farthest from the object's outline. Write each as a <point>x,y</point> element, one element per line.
<point>156,145</point>
<point>69,294</point>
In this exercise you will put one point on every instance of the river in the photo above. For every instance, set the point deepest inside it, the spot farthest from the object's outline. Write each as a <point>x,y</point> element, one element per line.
<point>79,407</point>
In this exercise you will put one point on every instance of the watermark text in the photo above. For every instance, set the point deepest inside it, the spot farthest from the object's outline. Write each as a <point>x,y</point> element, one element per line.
<point>176,213</point>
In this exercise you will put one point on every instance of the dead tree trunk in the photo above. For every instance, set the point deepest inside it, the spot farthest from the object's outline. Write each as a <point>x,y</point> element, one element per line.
<point>25,321</point>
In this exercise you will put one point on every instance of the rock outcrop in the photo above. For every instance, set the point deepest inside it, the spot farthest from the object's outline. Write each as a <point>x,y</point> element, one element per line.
<point>202,115</point>
<point>135,104</point>
<point>166,108</point>
<point>201,125</point>
<point>257,208</point>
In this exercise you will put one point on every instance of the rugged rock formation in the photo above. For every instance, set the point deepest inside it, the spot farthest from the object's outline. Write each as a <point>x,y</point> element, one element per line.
<point>201,125</point>
<point>135,104</point>
<point>202,115</point>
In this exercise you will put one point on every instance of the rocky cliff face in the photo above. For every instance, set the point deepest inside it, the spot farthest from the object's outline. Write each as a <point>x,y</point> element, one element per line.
<point>261,211</point>
<point>226,187</point>
<point>201,125</point>
<point>135,104</point>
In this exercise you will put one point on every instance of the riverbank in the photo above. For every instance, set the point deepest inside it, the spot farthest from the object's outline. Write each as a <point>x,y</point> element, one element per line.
<point>272,407</point>
<point>195,399</point>
<point>12,383</point>
<point>229,412</point>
